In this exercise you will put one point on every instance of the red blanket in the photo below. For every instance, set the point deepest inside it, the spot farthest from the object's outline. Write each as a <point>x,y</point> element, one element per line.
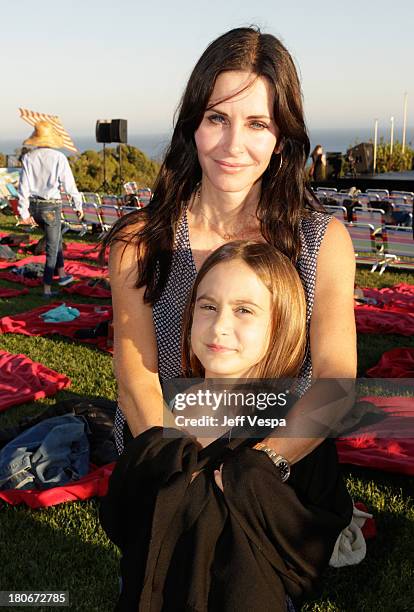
<point>16,278</point>
<point>388,445</point>
<point>31,324</point>
<point>77,268</point>
<point>22,262</point>
<point>396,363</point>
<point>83,270</point>
<point>9,293</point>
<point>77,250</point>
<point>85,289</point>
<point>92,485</point>
<point>23,380</point>
<point>374,320</point>
<point>399,298</point>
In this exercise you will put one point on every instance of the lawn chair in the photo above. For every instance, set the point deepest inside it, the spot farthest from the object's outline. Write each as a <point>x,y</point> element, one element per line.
<point>366,200</point>
<point>92,216</point>
<point>70,220</point>
<point>109,215</point>
<point>383,194</point>
<point>367,251</point>
<point>372,216</point>
<point>398,248</point>
<point>144,196</point>
<point>339,212</point>
<point>90,197</point>
<point>125,210</point>
<point>131,188</point>
<point>109,200</point>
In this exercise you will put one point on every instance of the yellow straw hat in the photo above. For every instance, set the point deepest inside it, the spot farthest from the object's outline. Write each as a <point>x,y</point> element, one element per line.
<point>45,135</point>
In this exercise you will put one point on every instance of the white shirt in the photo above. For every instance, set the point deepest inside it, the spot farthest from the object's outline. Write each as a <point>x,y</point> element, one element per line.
<point>43,172</point>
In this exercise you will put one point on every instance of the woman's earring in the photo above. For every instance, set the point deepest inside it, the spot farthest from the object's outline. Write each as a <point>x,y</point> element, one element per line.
<point>281,162</point>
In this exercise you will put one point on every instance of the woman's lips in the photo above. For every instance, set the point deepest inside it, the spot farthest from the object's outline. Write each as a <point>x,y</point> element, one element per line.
<point>218,348</point>
<point>229,167</point>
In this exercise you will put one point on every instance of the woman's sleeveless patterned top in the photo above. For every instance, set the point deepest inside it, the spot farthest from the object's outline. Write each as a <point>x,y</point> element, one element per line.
<point>169,309</point>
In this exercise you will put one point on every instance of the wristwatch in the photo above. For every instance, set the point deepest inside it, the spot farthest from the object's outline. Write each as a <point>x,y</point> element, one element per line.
<point>280,462</point>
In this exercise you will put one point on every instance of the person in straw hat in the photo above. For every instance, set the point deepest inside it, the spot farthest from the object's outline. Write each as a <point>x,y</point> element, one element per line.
<point>45,170</point>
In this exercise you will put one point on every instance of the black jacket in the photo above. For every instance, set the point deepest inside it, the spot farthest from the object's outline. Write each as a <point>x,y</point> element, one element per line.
<point>189,547</point>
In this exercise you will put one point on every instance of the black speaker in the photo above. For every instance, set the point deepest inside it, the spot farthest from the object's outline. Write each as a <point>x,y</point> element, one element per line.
<point>362,157</point>
<point>103,130</point>
<point>334,161</point>
<point>119,130</point>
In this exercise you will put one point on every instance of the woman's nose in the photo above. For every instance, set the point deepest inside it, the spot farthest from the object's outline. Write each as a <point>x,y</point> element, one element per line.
<point>233,143</point>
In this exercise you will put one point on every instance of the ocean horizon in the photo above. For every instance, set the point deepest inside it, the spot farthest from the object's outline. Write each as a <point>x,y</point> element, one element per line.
<point>155,145</point>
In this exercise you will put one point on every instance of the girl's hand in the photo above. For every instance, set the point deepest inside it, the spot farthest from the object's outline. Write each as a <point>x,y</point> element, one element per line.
<point>218,478</point>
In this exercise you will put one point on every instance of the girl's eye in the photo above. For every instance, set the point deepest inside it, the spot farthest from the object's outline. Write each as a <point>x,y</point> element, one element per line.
<point>207,307</point>
<point>218,119</point>
<point>244,310</point>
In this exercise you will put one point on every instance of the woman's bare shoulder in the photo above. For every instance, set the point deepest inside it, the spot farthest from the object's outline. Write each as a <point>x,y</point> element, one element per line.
<point>126,250</point>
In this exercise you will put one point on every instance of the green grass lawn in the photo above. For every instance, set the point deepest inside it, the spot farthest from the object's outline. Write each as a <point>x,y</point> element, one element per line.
<point>64,547</point>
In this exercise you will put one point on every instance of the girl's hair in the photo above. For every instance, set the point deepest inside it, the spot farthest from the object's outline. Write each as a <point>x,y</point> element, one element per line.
<point>287,340</point>
<point>283,195</point>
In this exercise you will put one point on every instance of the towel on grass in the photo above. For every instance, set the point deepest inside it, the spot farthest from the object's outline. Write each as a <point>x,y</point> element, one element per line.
<point>60,314</point>
<point>386,445</point>
<point>350,547</point>
<point>396,363</point>
<point>23,380</point>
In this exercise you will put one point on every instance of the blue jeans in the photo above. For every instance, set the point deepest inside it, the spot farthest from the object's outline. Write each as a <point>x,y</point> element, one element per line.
<point>47,215</point>
<point>49,454</point>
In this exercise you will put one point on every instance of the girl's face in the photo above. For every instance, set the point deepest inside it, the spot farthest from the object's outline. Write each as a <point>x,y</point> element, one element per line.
<point>236,138</point>
<point>231,323</point>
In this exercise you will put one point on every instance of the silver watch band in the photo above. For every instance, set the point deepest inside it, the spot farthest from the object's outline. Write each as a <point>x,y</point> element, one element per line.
<point>280,462</point>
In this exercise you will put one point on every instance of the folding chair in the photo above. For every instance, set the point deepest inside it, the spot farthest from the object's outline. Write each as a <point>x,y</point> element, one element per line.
<point>109,200</point>
<point>398,245</point>
<point>90,197</point>
<point>109,215</point>
<point>70,220</point>
<point>372,216</point>
<point>125,210</point>
<point>363,236</point>
<point>131,188</point>
<point>92,216</point>
<point>383,194</point>
<point>339,212</point>
<point>144,195</point>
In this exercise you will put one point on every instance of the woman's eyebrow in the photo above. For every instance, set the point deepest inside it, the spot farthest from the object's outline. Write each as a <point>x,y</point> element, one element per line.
<point>220,112</point>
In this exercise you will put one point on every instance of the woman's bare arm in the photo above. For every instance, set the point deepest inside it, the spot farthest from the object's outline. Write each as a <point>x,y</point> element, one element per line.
<point>332,335</point>
<point>135,346</point>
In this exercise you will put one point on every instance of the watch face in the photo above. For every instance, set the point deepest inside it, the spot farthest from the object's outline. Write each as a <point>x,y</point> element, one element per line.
<point>284,469</point>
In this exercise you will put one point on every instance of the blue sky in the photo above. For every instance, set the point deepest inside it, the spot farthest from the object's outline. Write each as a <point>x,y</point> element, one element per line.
<point>90,59</point>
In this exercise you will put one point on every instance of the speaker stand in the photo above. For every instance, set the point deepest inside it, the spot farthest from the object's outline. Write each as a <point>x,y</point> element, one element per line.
<point>104,187</point>
<point>121,180</point>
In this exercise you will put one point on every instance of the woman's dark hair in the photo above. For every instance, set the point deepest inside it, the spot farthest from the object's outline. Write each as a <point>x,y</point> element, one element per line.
<point>283,195</point>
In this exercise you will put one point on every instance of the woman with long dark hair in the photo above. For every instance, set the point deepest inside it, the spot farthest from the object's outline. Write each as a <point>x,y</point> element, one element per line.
<point>235,168</point>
